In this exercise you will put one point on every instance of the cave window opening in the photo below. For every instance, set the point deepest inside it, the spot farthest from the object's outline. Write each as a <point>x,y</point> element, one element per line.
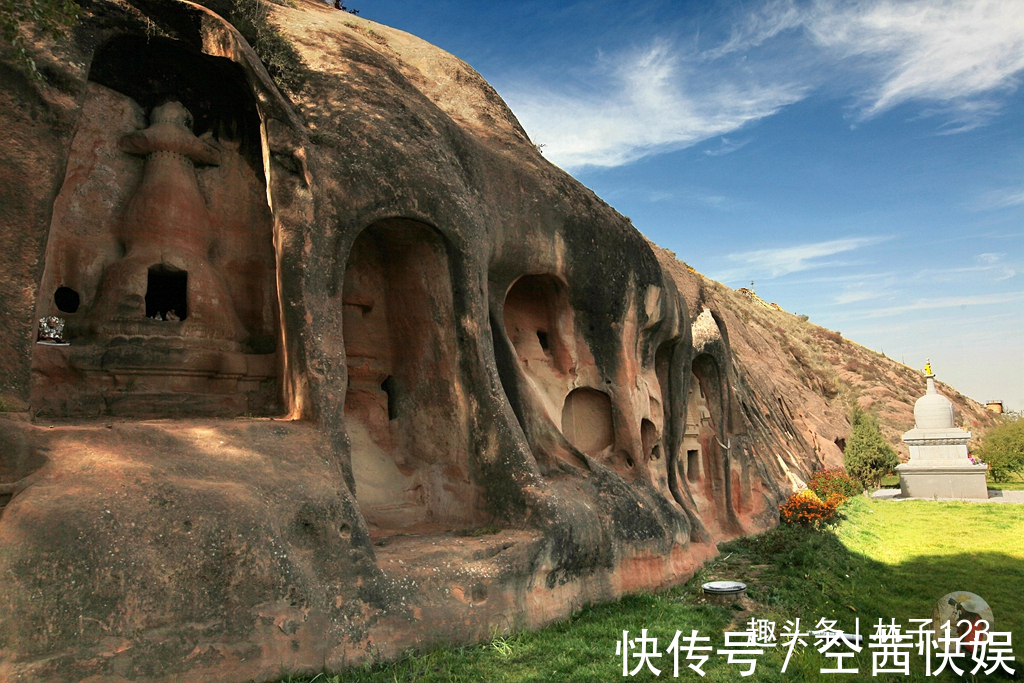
<point>693,465</point>
<point>167,293</point>
<point>649,438</point>
<point>388,386</point>
<point>66,299</point>
<point>587,420</point>
<point>537,316</point>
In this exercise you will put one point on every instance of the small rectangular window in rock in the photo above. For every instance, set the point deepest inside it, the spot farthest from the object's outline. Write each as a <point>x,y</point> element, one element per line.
<point>693,465</point>
<point>167,293</point>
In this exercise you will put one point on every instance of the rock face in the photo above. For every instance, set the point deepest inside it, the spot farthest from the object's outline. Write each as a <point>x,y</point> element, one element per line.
<point>322,341</point>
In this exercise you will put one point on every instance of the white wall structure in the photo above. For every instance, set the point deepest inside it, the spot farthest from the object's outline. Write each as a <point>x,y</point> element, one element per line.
<point>939,467</point>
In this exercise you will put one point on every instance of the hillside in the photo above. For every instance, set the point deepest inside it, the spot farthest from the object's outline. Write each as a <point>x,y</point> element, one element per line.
<point>816,372</point>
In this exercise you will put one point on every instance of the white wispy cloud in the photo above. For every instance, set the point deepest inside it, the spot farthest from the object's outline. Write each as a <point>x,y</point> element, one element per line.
<point>761,23</point>
<point>1001,199</point>
<point>852,296</point>
<point>645,101</point>
<point>946,302</point>
<point>951,52</point>
<point>988,265</point>
<point>786,260</point>
<point>956,58</point>
<point>727,146</point>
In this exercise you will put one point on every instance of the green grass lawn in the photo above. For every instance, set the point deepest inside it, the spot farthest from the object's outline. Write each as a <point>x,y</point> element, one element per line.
<point>887,560</point>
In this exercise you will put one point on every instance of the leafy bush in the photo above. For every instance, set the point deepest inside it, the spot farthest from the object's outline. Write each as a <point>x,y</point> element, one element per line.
<point>867,456</point>
<point>52,17</point>
<point>283,62</point>
<point>1003,449</point>
<point>834,480</point>
<point>806,509</point>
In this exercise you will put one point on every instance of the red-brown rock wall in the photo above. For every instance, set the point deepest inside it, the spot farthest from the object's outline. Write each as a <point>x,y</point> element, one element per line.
<point>355,367</point>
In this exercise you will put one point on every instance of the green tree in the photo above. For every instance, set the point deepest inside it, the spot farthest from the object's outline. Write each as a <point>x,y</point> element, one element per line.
<point>1003,449</point>
<point>867,456</point>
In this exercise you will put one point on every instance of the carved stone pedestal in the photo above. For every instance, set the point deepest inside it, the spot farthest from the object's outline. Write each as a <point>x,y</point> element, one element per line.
<point>960,482</point>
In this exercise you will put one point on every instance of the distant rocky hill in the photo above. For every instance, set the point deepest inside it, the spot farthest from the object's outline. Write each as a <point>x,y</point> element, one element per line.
<point>815,372</point>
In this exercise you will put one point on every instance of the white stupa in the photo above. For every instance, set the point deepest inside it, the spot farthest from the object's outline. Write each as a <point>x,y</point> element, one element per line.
<point>939,467</point>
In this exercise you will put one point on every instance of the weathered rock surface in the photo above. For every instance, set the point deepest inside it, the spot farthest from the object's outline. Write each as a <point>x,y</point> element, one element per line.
<point>370,319</point>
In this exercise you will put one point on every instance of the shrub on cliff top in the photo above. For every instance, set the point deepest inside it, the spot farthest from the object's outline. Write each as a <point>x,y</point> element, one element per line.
<point>282,60</point>
<point>52,17</point>
<point>867,456</point>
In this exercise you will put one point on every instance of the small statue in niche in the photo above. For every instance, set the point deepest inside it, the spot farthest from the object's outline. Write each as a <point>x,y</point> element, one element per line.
<point>51,331</point>
<point>165,275</point>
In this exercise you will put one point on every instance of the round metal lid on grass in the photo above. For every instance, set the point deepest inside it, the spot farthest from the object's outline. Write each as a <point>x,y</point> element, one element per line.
<point>724,587</point>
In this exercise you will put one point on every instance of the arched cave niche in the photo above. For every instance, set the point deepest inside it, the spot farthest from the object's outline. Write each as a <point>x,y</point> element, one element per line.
<point>702,439</point>
<point>587,420</point>
<point>706,465</point>
<point>408,429</point>
<point>699,435</point>
<point>173,249</point>
<point>538,321</point>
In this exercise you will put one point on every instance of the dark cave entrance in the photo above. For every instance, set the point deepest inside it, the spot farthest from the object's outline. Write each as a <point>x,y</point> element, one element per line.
<point>67,300</point>
<point>167,293</point>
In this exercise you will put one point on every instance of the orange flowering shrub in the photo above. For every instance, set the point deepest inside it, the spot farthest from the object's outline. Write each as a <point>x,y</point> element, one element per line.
<point>834,480</point>
<point>808,510</point>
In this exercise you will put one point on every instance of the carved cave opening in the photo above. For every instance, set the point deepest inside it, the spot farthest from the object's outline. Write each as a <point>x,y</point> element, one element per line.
<point>166,293</point>
<point>714,480</point>
<point>587,420</point>
<point>538,323</point>
<point>409,430</point>
<point>650,440</point>
<point>163,216</point>
<point>693,465</point>
<point>66,300</point>
<point>701,437</point>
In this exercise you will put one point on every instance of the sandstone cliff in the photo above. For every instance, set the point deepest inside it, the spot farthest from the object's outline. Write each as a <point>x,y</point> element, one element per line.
<point>324,333</point>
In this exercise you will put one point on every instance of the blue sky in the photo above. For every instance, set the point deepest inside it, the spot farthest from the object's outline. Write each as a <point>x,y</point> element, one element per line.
<point>861,161</point>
